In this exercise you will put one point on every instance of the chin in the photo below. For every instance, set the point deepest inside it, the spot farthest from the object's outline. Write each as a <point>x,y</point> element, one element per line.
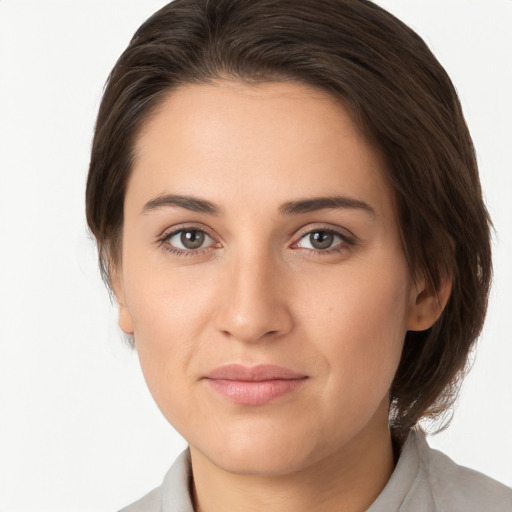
<point>257,462</point>
<point>263,453</point>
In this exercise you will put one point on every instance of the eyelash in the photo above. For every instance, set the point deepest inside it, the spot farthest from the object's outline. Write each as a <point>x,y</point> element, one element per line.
<point>346,242</point>
<point>164,239</point>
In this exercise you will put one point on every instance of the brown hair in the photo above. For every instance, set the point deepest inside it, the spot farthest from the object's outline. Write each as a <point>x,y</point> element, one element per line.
<point>400,97</point>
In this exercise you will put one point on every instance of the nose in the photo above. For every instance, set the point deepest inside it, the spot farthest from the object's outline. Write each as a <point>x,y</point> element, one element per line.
<point>253,300</point>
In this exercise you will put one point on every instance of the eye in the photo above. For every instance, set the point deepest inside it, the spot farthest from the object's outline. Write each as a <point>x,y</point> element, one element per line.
<point>321,240</point>
<point>189,239</point>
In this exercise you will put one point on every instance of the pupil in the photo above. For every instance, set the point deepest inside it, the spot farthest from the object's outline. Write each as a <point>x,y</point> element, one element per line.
<point>321,239</point>
<point>192,239</point>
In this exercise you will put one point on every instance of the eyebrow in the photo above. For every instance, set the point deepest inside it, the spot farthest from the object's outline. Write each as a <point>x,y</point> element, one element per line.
<point>323,203</point>
<point>289,208</point>
<point>188,202</point>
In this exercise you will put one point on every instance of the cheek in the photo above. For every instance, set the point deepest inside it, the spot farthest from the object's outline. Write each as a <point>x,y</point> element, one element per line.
<point>167,327</point>
<point>169,311</point>
<point>164,301</point>
<point>360,327</point>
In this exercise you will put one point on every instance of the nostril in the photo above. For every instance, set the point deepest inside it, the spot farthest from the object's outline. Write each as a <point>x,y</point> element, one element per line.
<point>249,309</point>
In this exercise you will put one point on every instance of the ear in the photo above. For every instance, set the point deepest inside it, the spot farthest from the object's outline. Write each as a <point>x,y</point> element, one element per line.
<point>124,318</point>
<point>427,304</point>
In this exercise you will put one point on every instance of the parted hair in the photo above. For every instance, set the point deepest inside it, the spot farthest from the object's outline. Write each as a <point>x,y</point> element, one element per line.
<point>401,99</point>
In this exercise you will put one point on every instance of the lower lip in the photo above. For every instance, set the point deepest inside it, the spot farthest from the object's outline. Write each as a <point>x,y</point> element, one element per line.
<point>255,393</point>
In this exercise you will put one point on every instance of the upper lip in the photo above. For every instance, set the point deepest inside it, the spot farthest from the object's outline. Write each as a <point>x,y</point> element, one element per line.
<point>261,372</point>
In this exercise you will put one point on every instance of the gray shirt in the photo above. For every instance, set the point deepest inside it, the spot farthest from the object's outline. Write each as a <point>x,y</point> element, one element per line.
<point>424,480</point>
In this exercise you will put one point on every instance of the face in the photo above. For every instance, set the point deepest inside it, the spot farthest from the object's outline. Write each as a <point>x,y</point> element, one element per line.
<point>259,231</point>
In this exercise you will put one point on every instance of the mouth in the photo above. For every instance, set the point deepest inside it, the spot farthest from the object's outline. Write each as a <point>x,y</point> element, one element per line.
<point>255,385</point>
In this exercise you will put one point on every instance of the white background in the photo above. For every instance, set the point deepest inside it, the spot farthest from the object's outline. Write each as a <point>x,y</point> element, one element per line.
<point>78,429</point>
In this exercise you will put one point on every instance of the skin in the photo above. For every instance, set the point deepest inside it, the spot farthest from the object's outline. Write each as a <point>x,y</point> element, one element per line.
<point>257,291</point>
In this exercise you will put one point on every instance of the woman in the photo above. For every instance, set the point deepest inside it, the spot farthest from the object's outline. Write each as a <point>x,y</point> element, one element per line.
<point>287,208</point>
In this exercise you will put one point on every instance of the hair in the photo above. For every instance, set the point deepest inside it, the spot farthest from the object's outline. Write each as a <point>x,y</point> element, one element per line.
<point>401,99</point>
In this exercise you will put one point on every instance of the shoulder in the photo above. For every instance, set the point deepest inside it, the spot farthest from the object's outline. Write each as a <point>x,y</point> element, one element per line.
<point>173,494</point>
<point>456,487</point>
<point>152,502</point>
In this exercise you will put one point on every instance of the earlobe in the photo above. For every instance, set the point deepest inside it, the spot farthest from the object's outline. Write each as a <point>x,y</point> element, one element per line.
<point>124,318</point>
<point>427,304</point>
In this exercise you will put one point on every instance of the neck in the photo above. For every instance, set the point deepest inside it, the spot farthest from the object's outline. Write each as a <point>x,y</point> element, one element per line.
<point>349,480</point>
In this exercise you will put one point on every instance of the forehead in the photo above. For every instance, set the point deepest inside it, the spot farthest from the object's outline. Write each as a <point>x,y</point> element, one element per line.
<point>273,140</point>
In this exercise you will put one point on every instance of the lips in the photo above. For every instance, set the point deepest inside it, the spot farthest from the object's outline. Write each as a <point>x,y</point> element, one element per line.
<point>255,385</point>
<point>254,373</point>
